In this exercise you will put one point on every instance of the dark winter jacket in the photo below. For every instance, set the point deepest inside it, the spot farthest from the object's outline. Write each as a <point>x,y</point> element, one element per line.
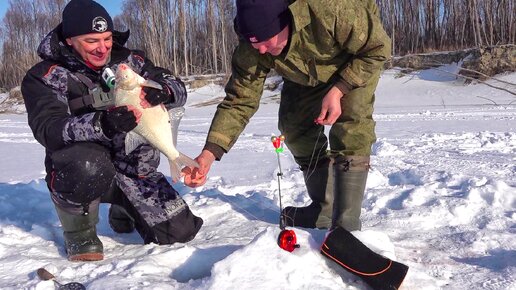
<point>49,86</point>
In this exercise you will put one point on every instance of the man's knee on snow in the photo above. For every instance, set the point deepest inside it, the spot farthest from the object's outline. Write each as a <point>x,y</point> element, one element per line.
<point>180,229</point>
<point>82,172</point>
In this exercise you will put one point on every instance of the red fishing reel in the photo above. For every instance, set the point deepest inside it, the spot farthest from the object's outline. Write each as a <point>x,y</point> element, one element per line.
<point>287,240</point>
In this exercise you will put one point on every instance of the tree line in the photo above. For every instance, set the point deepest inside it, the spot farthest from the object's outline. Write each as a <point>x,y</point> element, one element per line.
<point>197,37</point>
<point>417,26</point>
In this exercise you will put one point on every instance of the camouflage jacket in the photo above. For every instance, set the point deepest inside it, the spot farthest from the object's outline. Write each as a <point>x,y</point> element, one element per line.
<point>331,41</point>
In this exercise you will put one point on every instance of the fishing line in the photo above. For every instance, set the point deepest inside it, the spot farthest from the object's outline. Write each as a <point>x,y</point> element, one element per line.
<point>237,206</point>
<point>258,204</point>
<point>308,173</point>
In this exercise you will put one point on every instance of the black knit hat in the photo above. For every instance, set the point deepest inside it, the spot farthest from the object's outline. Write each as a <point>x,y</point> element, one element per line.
<point>85,16</point>
<point>259,20</point>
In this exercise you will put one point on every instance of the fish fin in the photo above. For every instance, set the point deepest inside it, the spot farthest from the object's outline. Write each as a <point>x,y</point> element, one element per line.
<point>180,162</point>
<point>175,115</point>
<point>175,171</point>
<point>132,141</point>
<point>151,84</point>
<point>184,160</point>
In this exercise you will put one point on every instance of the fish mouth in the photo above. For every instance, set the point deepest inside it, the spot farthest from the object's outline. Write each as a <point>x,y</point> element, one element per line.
<point>119,75</point>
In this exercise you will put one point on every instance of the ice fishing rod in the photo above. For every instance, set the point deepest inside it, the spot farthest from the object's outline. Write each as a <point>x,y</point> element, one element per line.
<point>287,239</point>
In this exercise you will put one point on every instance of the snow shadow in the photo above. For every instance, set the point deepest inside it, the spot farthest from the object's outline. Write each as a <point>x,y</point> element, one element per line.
<point>253,205</point>
<point>497,260</point>
<point>461,189</point>
<point>404,177</point>
<point>444,73</point>
<point>201,261</point>
<point>317,237</point>
<point>397,203</point>
<point>26,205</point>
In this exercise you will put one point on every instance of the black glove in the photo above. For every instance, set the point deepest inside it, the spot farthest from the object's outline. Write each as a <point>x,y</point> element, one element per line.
<point>116,120</point>
<point>156,97</point>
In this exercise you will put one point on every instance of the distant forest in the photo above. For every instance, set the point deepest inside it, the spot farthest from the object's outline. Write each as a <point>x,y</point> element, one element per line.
<point>192,37</point>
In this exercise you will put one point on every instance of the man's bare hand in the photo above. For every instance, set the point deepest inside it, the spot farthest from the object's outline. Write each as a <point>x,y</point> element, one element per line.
<point>330,109</point>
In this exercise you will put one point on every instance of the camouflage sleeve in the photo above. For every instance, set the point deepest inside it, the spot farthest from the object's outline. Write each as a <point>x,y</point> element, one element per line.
<point>163,76</point>
<point>48,114</point>
<point>178,89</point>
<point>243,92</point>
<point>360,32</point>
<point>83,128</point>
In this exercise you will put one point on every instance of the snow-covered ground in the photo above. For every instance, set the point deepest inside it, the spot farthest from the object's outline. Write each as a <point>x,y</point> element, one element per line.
<point>441,198</point>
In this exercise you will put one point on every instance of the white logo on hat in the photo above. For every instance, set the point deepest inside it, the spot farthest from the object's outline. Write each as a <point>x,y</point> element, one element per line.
<point>99,24</point>
<point>253,39</point>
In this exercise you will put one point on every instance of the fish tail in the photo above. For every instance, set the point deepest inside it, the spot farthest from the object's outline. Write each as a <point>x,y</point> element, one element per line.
<point>177,164</point>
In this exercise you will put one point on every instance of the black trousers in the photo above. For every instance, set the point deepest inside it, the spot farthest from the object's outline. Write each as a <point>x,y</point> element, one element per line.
<point>83,173</point>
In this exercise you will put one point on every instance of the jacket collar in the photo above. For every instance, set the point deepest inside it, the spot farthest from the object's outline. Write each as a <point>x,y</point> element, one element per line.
<point>300,19</point>
<point>300,14</point>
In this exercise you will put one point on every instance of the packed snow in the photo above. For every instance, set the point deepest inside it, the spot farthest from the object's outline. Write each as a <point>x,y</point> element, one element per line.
<point>441,198</point>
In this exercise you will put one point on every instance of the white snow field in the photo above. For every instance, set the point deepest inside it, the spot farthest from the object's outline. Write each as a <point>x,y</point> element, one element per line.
<point>441,198</point>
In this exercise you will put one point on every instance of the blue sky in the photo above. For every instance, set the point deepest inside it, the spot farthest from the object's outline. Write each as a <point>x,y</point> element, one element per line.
<point>114,7</point>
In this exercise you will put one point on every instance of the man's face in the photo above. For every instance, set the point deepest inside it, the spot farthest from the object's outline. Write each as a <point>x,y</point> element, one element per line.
<point>275,44</point>
<point>94,48</point>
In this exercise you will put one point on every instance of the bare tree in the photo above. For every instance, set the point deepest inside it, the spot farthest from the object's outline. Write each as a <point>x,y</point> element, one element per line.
<point>429,25</point>
<point>213,32</point>
<point>25,23</point>
<point>197,37</point>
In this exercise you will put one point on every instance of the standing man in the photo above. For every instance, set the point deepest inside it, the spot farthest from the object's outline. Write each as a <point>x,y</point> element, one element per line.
<point>330,54</point>
<point>70,105</point>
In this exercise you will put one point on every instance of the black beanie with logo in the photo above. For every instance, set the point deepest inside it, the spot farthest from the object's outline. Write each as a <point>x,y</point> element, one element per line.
<point>85,16</point>
<point>259,20</point>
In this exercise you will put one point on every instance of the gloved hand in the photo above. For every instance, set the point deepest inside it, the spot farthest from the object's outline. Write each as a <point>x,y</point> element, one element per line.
<point>119,119</point>
<point>155,97</point>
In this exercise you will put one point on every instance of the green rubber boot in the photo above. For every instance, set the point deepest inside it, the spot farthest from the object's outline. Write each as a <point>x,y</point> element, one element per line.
<point>80,235</point>
<point>350,176</point>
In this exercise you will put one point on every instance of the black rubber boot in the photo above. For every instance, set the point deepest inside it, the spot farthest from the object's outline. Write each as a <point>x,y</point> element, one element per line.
<point>119,220</point>
<point>80,234</point>
<point>319,185</point>
<point>351,254</point>
<point>350,175</point>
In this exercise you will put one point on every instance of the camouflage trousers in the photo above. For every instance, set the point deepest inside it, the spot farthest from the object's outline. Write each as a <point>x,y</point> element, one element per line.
<point>352,134</point>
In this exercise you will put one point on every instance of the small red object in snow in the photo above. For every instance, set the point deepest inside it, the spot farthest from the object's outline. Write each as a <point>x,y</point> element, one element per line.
<point>287,240</point>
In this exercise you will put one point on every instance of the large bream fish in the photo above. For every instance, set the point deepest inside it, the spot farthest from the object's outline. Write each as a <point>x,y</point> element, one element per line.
<point>157,126</point>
